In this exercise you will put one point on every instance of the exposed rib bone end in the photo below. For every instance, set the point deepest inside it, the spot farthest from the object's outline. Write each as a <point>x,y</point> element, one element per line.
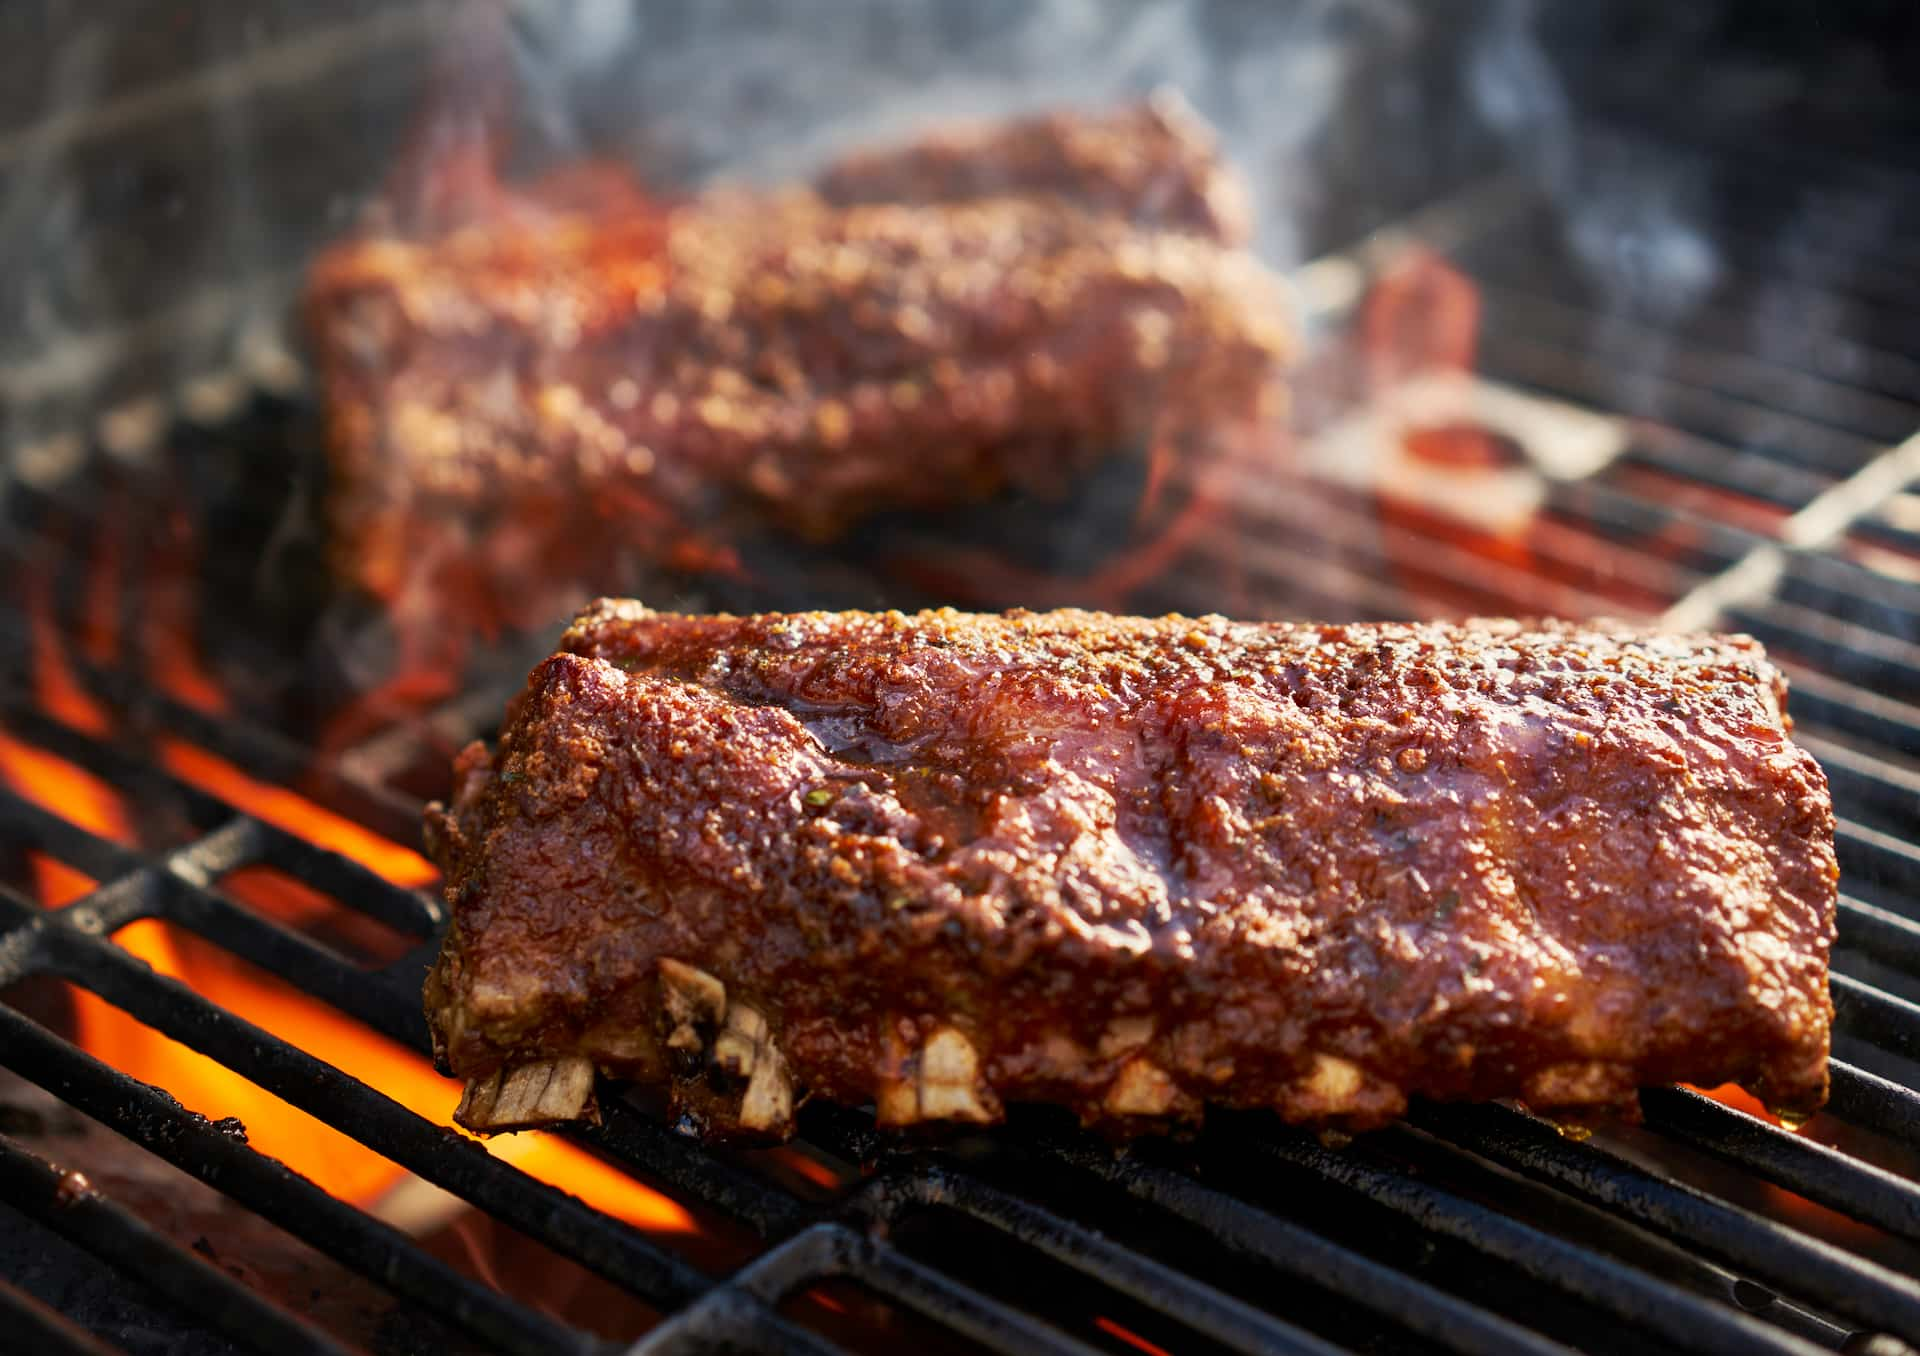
<point>1141,1088</point>
<point>941,1083</point>
<point>732,1080</point>
<point>525,1096</point>
<point>745,1048</point>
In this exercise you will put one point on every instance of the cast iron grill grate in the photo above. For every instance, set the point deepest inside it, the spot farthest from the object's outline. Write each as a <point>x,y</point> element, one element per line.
<point>1471,1229</point>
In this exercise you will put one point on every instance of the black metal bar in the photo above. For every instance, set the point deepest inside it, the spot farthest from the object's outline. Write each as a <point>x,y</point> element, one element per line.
<point>1864,1011</point>
<point>347,880</point>
<point>740,1306</point>
<point>282,951</point>
<point>1833,1179</point>
<point>1890,865</point>
<point>828,1250</point>
<point>644,1146</point>
<point>1819,700</point>
<point>66,1204</point>
<point>598,1241</point>
<point>1866,787</point>
<point>250,841</point>
<point>36,1328</point>
<point>1674,1314</point>
<point>1642,351</point>
<point>179,891</point>
<point>1882,934</point>
<point>1231,1322</point>
<point>1843,1283</point>
<point>139,780</point>
<point>1594,380</point>
<point>273,755</point>
<point>1847,651</point>
<point>1874,1103</point>
<point>1294,1251</point>
<point>153,1120</point>
<point>64,841</point>
<point>727,1319</point>
<point>975,1316</point>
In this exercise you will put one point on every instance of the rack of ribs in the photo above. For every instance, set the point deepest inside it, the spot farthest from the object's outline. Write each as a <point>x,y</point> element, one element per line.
<point>947,862</point>
<point>592,378</point>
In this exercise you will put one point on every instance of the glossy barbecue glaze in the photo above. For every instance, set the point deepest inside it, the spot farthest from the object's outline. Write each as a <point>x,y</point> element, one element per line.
<point>944,862</point>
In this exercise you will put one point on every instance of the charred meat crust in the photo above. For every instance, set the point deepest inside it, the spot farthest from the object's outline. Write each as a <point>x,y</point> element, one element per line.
<point>948,862</point>
<point>563,388</point>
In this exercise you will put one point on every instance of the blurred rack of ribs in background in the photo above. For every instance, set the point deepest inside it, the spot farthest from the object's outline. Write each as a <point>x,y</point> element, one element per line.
<point>578,387</point>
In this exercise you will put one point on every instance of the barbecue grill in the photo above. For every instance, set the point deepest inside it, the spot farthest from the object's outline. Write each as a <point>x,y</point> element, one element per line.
<point>173,754</point>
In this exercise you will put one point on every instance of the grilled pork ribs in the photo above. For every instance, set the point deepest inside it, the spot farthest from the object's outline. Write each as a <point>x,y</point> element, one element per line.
<point>587,380</point>
<point>946,862</point>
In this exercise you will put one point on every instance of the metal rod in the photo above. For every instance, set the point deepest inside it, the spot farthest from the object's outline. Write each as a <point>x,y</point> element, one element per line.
<point>1798,1265</point>
<point>1827,1176</point>
<point>1614,1287</point>
<point>65,1203</point>
<point>153,1120</point>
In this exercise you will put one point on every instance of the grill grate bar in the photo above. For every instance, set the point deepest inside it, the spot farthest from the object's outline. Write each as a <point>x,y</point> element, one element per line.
<point>45,1330</point>
<point>597,1241</point>
<point>1692,363</point>
<point>1867,658</point>
<point>1863,783</point>
<point>1888,1021</point>
<point>153,1120</point>
<point>1823,1175</point>
<point>1886,936</point>
<point>1268,1240</point>
<point>1676,1315</point>
<point>1818,699</point>
<point>406,911</point>
<point>1201,1307</point>
<point>46,1193</point>
<point>1277,1243</point>
<point>927,1292</point>
<point>1862,1098</point>
<point>1323,518</point>
<point>651,1150</point>
<point>1760,430</point>
<point>1868,857</point>
<point>728,1319</point>
<point>178,893</point>
<point>1857,1289</point>
<point>96,857</point>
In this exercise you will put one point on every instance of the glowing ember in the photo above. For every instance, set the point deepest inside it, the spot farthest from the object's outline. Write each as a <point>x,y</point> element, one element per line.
<point>1127,1335</point>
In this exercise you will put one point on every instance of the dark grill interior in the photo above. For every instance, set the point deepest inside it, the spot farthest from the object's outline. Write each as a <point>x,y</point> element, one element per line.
<point>1766,483</point>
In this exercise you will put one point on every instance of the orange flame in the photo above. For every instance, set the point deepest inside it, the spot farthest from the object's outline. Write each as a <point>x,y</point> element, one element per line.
<point>330,1158</point>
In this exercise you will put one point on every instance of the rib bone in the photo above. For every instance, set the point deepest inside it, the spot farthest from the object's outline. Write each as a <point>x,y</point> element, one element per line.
<point>522,1096</point>
<point>738,1048</point>
<point>746,1048</point>
<point>946,1086</point>
<point>694,999</point>
<point>1141,1088</point>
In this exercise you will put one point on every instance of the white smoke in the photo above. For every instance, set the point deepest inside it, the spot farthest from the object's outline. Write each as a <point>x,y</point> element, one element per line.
<point>770,92</point>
